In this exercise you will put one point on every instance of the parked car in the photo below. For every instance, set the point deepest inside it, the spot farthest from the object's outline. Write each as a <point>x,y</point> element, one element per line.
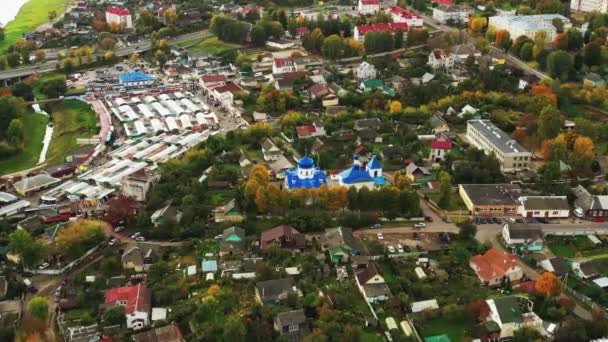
<point>391,249</point>
<point>511,220</point>
<point>119,229</point>
<point>497,220</point>
<point>420,225</point>
<point>428,219</point>
<point>140,239</point>
<point>380,236</point>
<point>416,236</point>
<point>399,248</point>
<point>135,235</point>
<point>375,226</point>
<point>219,236</point>
<point>113,241</point>
<point>43,265</point>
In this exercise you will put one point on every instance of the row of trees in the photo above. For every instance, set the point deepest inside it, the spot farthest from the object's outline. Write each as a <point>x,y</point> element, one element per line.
<point>228,29</point>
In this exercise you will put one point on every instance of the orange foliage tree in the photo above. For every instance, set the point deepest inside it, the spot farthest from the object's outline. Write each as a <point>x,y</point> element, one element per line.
<point>545,91</point>
<point>548,284</point>
<point>503,39</point>
<point>561,41</point>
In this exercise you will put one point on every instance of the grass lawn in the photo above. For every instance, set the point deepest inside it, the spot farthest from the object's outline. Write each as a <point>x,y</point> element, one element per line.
<point>35,126</point>
<point>455,328</point>
<point>73,119</point>
<point>219,197</point>
<point>38,94</point>
<point>456,202</point>
<point>568,247</point>
<point>370,337</point>
<point>31,15</point>
<point>214,46</point>
<point>562,250</point>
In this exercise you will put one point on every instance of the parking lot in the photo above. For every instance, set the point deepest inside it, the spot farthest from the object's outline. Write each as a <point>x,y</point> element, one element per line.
<point>409,242</point>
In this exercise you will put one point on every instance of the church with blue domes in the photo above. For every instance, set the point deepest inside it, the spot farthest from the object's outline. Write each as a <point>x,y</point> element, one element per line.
<point>305,175</point>
<point>359,176</point>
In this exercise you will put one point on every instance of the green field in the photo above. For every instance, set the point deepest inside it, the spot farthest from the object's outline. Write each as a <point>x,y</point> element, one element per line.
<point>35,126</point>
<point>213,46</point>
<point>456,329</point>
<point>73,119</point>
<point>31,15</point>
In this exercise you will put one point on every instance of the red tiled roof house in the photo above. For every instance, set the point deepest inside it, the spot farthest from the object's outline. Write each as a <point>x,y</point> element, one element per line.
<point>495,264</point>
<point>440,147</point>
<point>361,30</point>
<point>137,301</point>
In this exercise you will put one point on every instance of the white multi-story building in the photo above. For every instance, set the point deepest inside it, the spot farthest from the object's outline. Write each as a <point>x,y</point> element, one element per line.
<point>368,6</point>
<point>600,6</point>
<point>120,17</point>
<point>484,135</point>
<point>283,66</point>
<point>360,31</point>
<point>366,71</point>
<point>528,25</point>
<point>455,13</point>
<point>400,15</point>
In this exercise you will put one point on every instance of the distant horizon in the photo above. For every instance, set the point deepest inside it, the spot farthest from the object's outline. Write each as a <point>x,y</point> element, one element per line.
<point>10,11</point>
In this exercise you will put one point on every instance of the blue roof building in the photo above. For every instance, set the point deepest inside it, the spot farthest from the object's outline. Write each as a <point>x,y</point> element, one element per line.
<point>209,266</point>
<point>135,79</point>
<point>359,176</point>
<point>305,175</point>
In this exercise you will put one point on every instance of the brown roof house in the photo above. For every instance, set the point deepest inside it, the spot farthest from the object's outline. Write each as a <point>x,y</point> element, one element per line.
<point>168,333</point>
<point>286,237</point>
<point>275,291</point>
<point>292,325</point>
<point>371,285</point>
<point>494,265</point>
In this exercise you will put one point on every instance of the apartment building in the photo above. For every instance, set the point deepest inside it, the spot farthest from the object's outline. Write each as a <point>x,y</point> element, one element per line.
<point>400,15</point>
<point>491,139</point>
<point>528,25</point>
<point>455,13</point>
<point>589,6</point>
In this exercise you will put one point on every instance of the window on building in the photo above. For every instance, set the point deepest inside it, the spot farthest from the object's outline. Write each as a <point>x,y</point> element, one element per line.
<point>293,328</point>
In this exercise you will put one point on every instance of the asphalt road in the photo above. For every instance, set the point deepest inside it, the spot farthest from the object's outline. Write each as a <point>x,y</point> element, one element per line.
<point>519,64</point>
<point>49,66</point>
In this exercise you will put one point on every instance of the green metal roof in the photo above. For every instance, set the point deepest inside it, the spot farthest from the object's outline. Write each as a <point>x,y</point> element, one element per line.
<point>438,338</point>
<point>508,309</point>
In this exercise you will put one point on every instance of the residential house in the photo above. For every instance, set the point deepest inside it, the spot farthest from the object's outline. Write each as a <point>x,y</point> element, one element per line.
<point>318,91</point>
<point>490,199</point>
<point>486,136</point>
<point>400,15</point>
<point>283,66</point>
<point>270,151</point>
<point>233,240</point>
<point>462,51</point>
<point>275,291</point>
<point>225,93</point>
<point>368,6</point>
<point>366,71</point>
<point>417,173</point>
<point>283,236</point>
<point>376,84</point>
<point>330,100</point>
<point>557,265</point>
<point>424,306</point>
<point>452,13</point>
<point>341,244</point>
<point>301,31</point>
<point>583,268</point>
<point>438,124</point>
<point>209,80</point>
<point>371,123</point>
<point>440,147</point>
<point>523,237</point>
<point>512,313</point>
<point>280,166</point>
<point>371,285</point>
<point>315,129</point>
<point>260,117</point>
<point>280,44</point>
<point>137,303</point>
<point>168,333</point>
<point>137,185</point>
<point>593,80</point>
<point>167,214</point>
<point>359,262</point>
<point>544,206</point>
<point>528,81</point>
<point>440,59</point>
<point>133,258</point>
<point>594,207</point>
<point>398,82</point>
<point>292,325</point>
<point>495,265</point>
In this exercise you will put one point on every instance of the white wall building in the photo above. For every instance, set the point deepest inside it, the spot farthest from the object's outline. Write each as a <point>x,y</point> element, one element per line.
<point>528,25</point>
<point>366,71</point>
<point>454,13</point>
<point>401,15</point>
<point>440,59</point>
<point>544,206</point>
<point>484,135</point>
<point>121,17</point>
<point>368,6</point>
<point>283,65</point>
<point>600,6</point>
